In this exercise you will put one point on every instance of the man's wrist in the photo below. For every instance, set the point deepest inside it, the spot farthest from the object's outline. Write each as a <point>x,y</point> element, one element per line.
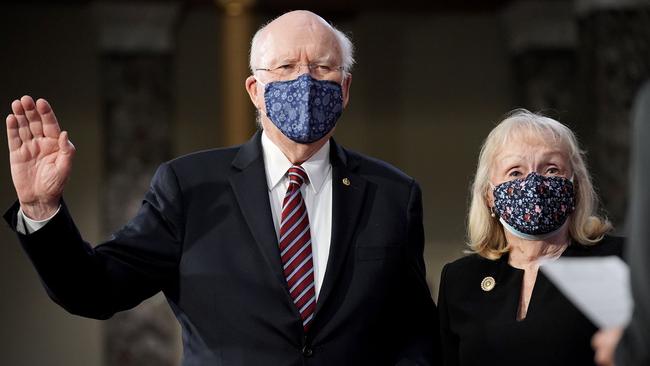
<point>40,211</point>
<point>27,225</point>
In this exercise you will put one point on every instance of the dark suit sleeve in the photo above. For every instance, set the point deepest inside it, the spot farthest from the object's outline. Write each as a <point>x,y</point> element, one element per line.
<point>449,340</point>
<point>137,262</point>
<point>633,348</point>
<point>422,340</point>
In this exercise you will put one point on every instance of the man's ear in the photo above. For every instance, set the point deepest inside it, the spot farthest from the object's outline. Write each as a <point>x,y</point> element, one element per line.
<point>251,88</point>
<point>345,88</point>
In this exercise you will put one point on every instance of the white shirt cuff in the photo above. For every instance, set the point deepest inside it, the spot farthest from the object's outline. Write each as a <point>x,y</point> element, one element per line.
<point>25,225</point>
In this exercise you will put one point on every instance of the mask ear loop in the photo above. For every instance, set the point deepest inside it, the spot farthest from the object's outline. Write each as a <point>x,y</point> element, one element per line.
<point>260,81</point>
<point>492,209</point>
<point>264,86</point>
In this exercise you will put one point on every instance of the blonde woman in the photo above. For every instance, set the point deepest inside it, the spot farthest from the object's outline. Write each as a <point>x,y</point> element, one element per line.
<point>532,201</point>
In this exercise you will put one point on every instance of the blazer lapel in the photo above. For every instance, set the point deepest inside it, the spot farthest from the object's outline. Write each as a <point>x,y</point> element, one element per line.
<point>251,192</point>
<point>348,196</point>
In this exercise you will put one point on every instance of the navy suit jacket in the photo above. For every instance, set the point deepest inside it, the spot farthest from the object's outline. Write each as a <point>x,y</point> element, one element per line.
<point>205,237</point>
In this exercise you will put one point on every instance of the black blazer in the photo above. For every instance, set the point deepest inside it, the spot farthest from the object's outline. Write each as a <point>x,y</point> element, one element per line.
<point>480,327</point>
<point>205,237</point>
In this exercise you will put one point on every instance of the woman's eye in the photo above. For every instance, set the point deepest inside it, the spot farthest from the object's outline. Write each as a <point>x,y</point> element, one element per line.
<point>552,170</point>
<point>514,173</point>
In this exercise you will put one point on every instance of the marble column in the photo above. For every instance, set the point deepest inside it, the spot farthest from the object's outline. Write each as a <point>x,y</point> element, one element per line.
<point>237,30</point>
<point>614,59</point>
<point>136,44</point>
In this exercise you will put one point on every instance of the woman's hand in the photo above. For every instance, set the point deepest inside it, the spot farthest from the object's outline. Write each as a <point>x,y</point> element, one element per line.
<point>604,343</point>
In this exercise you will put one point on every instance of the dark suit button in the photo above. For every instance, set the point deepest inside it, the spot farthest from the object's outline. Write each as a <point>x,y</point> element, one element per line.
<point>307,351</point>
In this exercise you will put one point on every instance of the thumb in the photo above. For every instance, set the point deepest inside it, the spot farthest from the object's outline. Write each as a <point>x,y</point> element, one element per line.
<point>65,145</point>
<point>64,158</point>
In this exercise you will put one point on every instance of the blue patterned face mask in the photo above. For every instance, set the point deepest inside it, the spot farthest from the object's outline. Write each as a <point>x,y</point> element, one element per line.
<point>304,109</point>
<point>534,207</point>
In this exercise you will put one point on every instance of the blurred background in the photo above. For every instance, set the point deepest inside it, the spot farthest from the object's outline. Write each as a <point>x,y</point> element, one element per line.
<point>139,82</point>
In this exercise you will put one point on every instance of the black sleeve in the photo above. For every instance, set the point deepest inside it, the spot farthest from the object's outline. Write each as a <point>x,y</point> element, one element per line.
<point>633,348</point>
<point>422,343</point>
<point>448,339</point>
<point>137,262</point>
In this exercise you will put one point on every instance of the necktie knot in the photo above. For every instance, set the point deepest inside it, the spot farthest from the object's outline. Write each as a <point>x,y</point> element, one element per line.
<point>297,175</point>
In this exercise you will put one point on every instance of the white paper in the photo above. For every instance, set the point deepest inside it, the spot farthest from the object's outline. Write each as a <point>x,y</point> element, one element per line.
<point>597,286</point>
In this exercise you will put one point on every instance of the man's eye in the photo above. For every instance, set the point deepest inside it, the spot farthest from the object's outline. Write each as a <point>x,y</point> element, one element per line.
<point>284,68</point>
<point>323,68</point>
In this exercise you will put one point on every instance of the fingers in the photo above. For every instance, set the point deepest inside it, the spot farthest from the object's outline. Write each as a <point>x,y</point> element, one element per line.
<point>604,345</point>
<point>31,119</point>
<point>50,123</point>
<point>23,124</point>
<point>34,119</point>
<point>13,138</point>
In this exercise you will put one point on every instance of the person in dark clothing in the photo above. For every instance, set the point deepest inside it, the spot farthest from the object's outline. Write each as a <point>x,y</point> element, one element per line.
<point>532,201</point>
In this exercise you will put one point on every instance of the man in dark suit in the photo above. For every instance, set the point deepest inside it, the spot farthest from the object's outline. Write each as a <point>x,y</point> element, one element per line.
<point>633,346</point>
<point>287,250</point>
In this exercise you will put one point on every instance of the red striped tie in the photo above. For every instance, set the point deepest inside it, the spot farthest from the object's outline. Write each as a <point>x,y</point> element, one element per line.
<point>295,247</point>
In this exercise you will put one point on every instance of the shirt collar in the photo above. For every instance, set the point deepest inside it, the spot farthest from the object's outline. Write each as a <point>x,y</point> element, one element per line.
<point>276,165</point>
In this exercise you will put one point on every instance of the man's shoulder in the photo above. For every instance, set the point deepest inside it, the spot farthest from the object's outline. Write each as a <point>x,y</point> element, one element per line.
<point>216,157</point>
<point>205,164</point>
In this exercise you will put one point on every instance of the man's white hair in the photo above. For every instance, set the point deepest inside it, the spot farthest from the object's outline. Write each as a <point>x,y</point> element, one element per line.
<point>345,45</point>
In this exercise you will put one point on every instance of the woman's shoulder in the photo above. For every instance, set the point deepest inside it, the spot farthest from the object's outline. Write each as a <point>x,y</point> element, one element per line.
<point>467,279</point>
<point>468,265</point>
<point>608,245</point>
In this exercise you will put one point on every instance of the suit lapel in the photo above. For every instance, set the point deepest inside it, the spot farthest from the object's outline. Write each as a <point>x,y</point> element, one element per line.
<point>348,196</point>
<point>251,191</point>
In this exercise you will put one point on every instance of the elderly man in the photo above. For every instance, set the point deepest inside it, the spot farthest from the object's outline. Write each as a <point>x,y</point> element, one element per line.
<point>287,250</point>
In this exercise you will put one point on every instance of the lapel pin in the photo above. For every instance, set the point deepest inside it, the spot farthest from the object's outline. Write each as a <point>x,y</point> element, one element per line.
<point>346,181</point>
<point>488,283</point>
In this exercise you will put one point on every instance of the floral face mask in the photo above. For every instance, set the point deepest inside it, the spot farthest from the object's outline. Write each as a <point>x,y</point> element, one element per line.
<point>304,109</point>
<point>534,207</point>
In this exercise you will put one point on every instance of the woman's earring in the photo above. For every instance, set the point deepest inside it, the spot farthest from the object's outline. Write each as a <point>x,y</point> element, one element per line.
<point>492,212</point>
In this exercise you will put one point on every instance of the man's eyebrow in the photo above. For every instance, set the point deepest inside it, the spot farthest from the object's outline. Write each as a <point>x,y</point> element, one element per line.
<point>323,59</point>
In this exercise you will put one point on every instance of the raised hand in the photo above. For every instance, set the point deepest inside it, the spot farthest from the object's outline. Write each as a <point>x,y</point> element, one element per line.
<point>40,156</point>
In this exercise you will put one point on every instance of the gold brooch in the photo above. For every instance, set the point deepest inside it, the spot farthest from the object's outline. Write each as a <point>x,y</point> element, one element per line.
<point>346,181</point>
<point>488,283</point>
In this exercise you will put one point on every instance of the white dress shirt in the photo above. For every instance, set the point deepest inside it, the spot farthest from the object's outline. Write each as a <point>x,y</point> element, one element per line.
<point>317,193</point>
<point>25,225</point>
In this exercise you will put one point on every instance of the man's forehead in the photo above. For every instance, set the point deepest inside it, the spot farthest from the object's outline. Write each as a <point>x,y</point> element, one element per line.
<point>297,19</point>
<point>288,46</point>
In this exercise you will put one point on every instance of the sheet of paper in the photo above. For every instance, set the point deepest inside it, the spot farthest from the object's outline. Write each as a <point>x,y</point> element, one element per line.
<point>598,286</point>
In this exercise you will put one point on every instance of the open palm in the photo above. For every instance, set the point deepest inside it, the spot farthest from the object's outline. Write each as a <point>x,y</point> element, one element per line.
<point>40,156</point>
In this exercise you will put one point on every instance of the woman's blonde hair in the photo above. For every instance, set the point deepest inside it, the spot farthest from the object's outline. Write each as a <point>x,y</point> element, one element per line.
<point>486,236</point>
